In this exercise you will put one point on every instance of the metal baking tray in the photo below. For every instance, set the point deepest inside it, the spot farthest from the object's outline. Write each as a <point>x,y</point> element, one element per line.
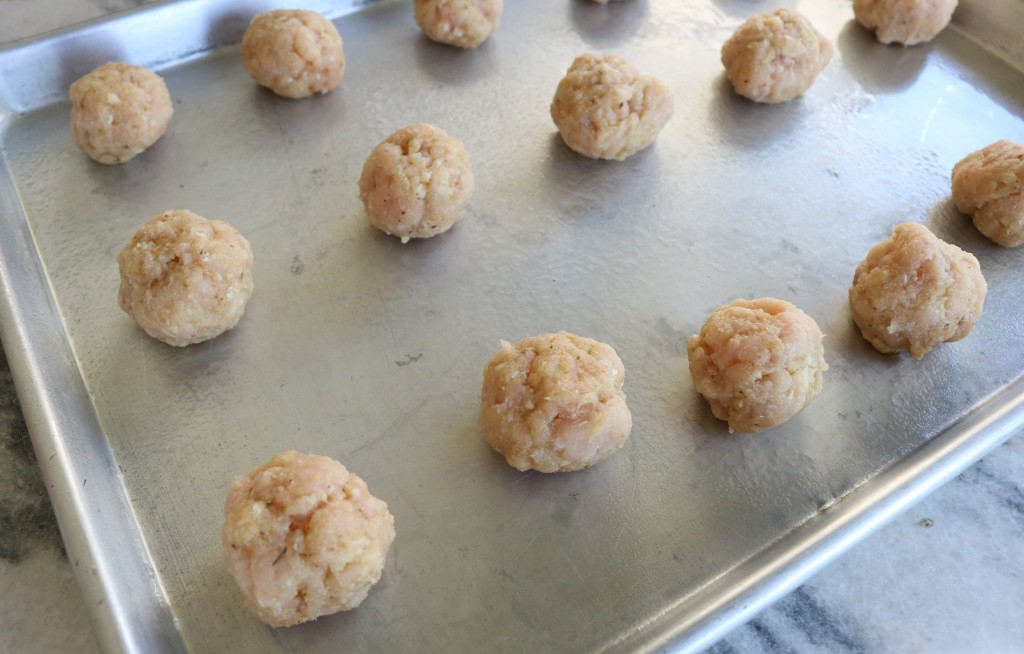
<point>370,351</point>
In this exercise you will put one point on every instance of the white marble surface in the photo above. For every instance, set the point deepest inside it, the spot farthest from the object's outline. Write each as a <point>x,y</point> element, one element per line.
<point>947,576</point>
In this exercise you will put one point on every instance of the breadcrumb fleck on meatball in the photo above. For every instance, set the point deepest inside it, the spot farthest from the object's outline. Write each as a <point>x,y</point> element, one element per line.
<point>915,291</point>
<point>417,182</point>
<point>775,57</point>
<point>988,185</point>
<point>462,23</point>
<point>119,110</point>
<point>904,21</point>
<point>304,537</point>
<point>185,279</point>
<point>758,363</point>
<point>554,402</point>
<point>293,52</point>
<point>605,108</point>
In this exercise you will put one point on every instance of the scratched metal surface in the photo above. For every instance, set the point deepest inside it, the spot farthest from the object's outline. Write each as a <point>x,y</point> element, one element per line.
<point>366,350</point>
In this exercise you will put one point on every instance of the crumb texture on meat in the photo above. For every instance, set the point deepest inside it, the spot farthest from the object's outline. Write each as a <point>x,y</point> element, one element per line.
<point>757,362</point>
<point>554,402</point>
<point>915,291</point>
<point>304,537</point>
<point>775,57</point>
<point>988,185</point>
<point>908,22</point>
<point>605,108</point>
<point>118,110</point>
<point>462,23</point>
<point>185,279</point>
<point>293,52</point>
<point>417,183</point>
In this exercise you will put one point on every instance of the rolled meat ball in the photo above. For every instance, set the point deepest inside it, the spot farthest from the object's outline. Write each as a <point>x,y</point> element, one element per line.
<point>988,185</point>
<point>118,110</point>
<point>293,52</point>
<point>774,58</point>
<point>304,537</point>
<point>462,23</point>
<point>758,363</point>
<point>904,21</point>
<point>915,291</point>
<point>554,403</point>
<point>417,183</point>
<point>605,108</point>
<point>185,279</point>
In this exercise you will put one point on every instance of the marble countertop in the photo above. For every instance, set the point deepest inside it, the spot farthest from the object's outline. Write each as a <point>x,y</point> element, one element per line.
<point>947,576</point>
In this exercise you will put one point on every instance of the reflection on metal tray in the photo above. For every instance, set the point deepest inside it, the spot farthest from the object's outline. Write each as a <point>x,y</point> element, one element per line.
<point>368,351</point>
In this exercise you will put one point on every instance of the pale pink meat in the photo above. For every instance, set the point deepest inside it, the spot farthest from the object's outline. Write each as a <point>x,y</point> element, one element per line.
<point>462,23</point>
<point>417,183</point>
<point>758,363</point>
<point>554,402</point>
<point>775,57</point>
<point>119,110</point>
<point>293,52</point>
<point>908,22</point>
<point>304,538</point>
<point>988,185</point>
<point>185,279</point>
<point>915,291</point>
<point>605,108</point>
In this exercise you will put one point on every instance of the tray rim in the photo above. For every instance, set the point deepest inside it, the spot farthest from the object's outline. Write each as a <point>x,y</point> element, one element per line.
<point>139,618</point>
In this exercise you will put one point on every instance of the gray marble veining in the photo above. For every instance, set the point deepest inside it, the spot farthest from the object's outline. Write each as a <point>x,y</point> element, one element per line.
<point>945,577</point>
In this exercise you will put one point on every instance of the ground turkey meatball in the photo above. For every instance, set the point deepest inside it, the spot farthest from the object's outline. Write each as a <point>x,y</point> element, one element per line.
<point>304,538</point>
<point>775,57</point>
<point>605,108</point>
<point>293,52</point>
<point>417,182</point>
<point>989,186</point>
<point>914,291</point>
<point>185,279</point>
<point>904,21</point>
<point>758,363</point>
<point>119,110</point>
<point>554,403</point>
<point>462,23</point>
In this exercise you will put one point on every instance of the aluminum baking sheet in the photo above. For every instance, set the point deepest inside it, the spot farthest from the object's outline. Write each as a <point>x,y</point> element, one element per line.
<point>370,351</point>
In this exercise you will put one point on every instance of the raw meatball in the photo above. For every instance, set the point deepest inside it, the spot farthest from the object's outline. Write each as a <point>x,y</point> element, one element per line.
<point>119,110</point>
<point>554,402</point>
<point>904,21</point>
<point>758,363</point>
<point>185,279</point>
<point>417,182</point>
<point>989,186</point>
<point>775,57</point>
<point>304,538</point>
<point>914,291</point>
<point>462,23</point>
<point>293,52</point>
<point>605,108</point>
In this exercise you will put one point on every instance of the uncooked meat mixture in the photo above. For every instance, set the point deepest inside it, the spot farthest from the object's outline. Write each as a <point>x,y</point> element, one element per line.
<point>775,57</point>
<point>554,402</point>
<point>293,52</point>
<point>605,108</point>
<point>185,279</point>
<point>904,21</point>
<point>119,110</point>
<point>462,23</point>
<point>304,538</point>
<point>988,185</point>
<point>416,183</point>
<point>915,291</point>
<point>758,363</point>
